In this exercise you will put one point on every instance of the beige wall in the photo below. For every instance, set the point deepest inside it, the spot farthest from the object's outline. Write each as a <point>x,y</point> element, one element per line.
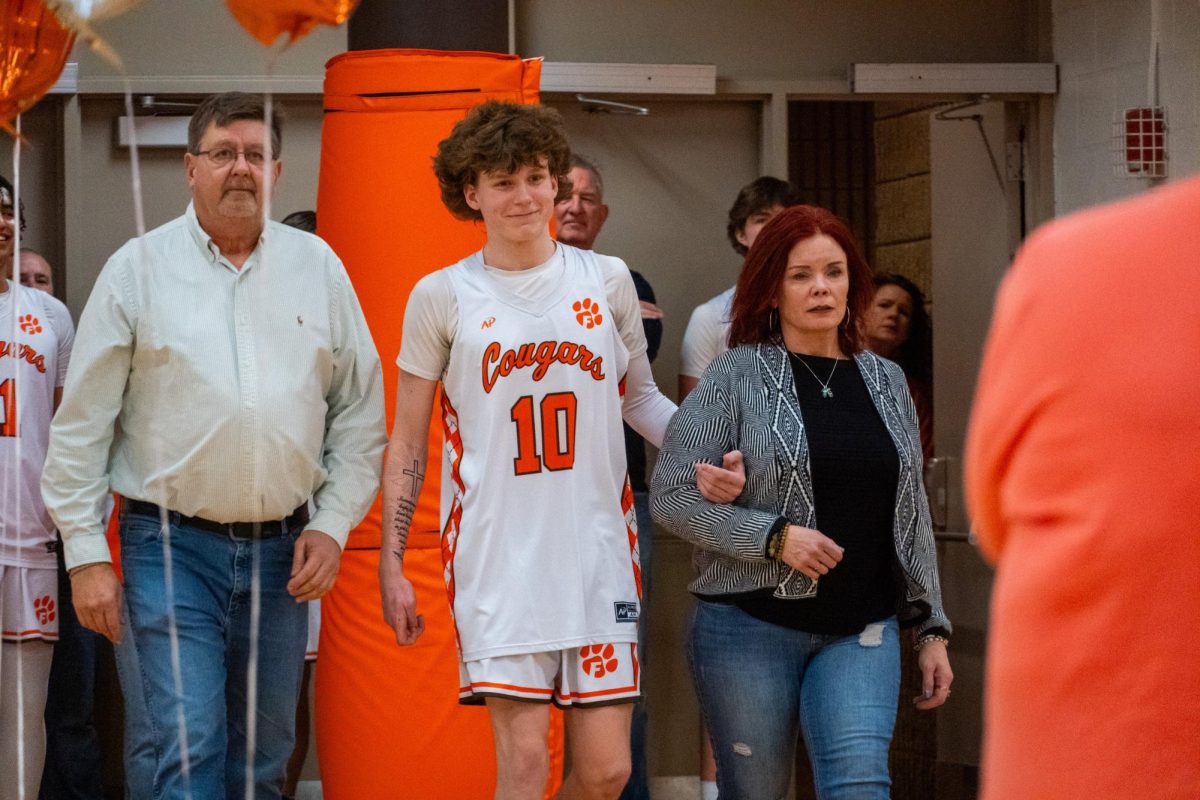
<point>778,39</point>
<point>1103,51</point>
<point>902,230</point>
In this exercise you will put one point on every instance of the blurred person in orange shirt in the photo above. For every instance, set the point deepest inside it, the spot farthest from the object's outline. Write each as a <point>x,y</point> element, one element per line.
<point>1083,469</point>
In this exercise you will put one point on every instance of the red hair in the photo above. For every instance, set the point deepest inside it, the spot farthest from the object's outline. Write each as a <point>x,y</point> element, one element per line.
<point>761,280</point>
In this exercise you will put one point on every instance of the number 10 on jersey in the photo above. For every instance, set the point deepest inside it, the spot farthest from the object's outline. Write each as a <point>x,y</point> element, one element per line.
<point>550,424</point>
<point>8,407</point>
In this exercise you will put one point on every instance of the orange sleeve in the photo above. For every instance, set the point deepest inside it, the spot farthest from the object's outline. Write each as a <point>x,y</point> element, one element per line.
<point>112,532</point>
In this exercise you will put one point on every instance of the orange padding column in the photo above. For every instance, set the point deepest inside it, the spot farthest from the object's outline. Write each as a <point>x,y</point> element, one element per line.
<point>388,720</point>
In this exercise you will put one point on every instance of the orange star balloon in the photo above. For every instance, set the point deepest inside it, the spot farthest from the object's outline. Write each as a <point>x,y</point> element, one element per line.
<point>33,49</point>
<point>266,19</point>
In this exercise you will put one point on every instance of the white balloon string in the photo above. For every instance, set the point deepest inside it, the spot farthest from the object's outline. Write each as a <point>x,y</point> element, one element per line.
<point>176,663</point>
<point>252,661</point>
<point>16,406</point>
<point>256,571</point>
<point>135,165</point>
<point>160,489</point>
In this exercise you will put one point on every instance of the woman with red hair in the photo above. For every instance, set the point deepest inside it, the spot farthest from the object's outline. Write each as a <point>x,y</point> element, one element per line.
<point>805,580</point>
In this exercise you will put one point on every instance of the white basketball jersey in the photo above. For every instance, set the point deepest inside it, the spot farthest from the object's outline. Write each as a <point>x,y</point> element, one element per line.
<point>539,541</point>
<point>32,364</point>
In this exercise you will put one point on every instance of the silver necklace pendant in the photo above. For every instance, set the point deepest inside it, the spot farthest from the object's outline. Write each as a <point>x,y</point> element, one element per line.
<point>826,392</point>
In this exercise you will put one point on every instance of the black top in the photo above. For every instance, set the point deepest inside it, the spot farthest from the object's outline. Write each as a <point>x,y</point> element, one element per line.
<point>855,469</point>
<point>635,448</point>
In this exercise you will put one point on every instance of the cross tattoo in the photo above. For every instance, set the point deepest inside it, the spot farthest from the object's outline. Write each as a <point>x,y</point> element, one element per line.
<point>416,475</point>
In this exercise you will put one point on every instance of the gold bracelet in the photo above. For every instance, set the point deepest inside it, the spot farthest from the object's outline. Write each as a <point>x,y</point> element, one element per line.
<point>930,637</point>
<point>780,541</point>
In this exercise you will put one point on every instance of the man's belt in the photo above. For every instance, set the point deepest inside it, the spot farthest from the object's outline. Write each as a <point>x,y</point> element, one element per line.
<point>240,530</point>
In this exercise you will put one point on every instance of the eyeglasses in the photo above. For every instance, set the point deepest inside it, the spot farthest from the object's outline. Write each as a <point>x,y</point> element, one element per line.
<point>221,156</point>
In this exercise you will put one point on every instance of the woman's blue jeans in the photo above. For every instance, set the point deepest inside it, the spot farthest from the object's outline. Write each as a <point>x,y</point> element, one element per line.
<point>212,579</point>
<point>761,686</point>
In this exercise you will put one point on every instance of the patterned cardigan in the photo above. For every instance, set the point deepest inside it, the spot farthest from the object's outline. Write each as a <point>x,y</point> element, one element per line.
<point>747,401</point>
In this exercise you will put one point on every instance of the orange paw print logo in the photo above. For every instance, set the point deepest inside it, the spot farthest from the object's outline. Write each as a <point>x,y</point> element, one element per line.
<point>44,608</point>
<point>598,659</point>
<point>587,313</point>
<point>30,324</point>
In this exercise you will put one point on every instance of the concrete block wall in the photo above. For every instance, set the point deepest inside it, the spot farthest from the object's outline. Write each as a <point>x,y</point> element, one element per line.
<point>903,230</point>
<point>1103,51</point>
<point>903,218</point>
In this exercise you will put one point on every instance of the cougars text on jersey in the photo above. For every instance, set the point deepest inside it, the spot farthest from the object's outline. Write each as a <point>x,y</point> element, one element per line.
<point>499,363</point>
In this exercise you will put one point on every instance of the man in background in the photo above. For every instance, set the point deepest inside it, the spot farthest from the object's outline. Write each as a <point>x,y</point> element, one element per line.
<point>707,334</point>
<point>35,271</point>
<point>579,217</point>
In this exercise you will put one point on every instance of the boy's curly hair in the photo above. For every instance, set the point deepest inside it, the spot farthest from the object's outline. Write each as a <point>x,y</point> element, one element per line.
<point>498,136</point>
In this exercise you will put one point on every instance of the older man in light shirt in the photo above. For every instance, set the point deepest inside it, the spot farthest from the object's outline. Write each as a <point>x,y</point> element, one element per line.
<point>225,375</point>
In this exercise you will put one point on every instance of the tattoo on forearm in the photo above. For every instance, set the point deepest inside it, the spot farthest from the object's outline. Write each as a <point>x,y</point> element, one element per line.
<point>402,516</point>
<point>417,476</point>
<point>401,522</point>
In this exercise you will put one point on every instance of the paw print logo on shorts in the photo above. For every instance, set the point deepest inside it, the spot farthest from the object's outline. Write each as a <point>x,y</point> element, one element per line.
<point>44,608</point>
<point>587,313</point>
<point>30,324</point>
<point>598,659</point>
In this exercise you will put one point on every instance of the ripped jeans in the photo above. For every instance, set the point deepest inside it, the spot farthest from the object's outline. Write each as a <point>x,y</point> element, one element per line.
<point>761,686</point>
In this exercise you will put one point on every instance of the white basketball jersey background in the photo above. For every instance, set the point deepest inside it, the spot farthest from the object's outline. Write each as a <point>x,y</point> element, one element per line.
<point>30,369</point>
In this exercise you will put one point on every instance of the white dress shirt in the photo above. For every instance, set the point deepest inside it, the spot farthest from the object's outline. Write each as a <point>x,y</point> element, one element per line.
<point>232,395</point>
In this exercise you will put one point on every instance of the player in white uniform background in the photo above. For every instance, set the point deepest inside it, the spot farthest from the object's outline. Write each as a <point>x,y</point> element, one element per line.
<point>540,352</point>
<point>707,334</point>
<point>36,334</point>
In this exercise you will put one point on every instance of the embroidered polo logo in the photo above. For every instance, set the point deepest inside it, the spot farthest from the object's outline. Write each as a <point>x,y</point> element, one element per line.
<point>587,313</point>
<point>30,324</point>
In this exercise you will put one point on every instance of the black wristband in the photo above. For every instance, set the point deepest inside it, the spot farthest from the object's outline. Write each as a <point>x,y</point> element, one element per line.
<point>773,534</point>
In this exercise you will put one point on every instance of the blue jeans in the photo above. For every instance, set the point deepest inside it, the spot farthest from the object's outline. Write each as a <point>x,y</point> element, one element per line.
<point>140,762</point>
<point>72,770</point>
<point>212,576</point>
<point>763,685</point>
<point>638,786</point>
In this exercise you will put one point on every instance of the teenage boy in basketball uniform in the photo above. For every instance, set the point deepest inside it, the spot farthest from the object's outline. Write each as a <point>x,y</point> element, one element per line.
<point>540,352</point>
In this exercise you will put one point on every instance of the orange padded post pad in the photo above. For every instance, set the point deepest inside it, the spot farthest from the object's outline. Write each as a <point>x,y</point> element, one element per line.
<point>388,720</point>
